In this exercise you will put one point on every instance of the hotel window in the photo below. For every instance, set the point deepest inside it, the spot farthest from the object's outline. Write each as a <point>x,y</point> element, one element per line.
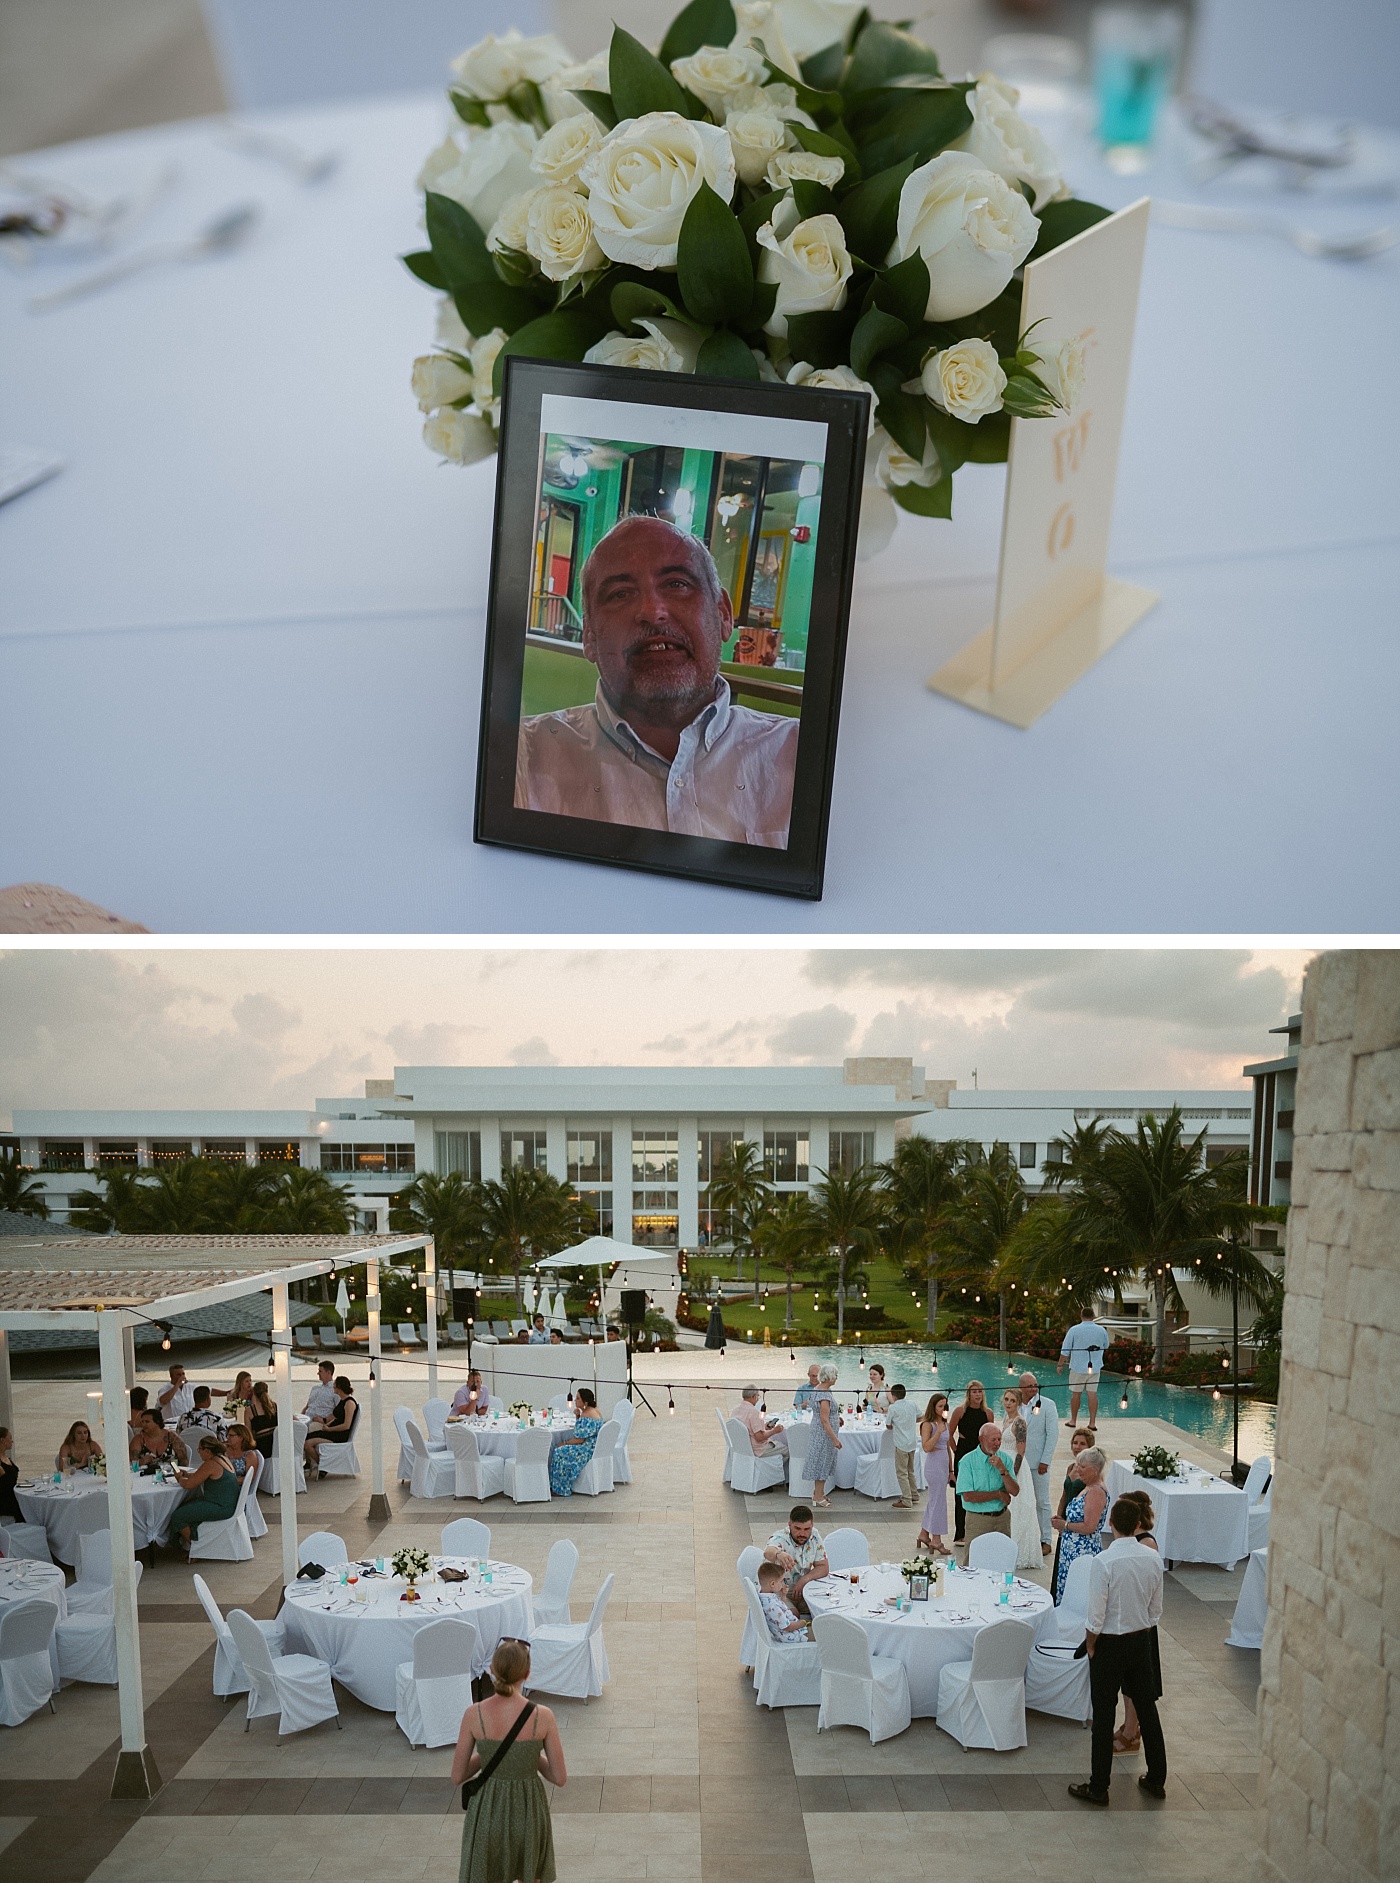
<point>458,1150</point>
<point>225,1150</point>
<point>714,1147</point>
<point>716,1226</point>
<point>278,1153</point>
<point>655,1158</point>
<point>371,1160</point>
<point>656,1219</point>
<point>590,1156</point>
<point>525,1149</point>
<point>1055,1153</point>
<point>786,1155</point>
<point>850,1151</point>
<point>61,1154</point>
<point>170,1150</point>
<point>1026,1161</point>
<point>117,1154</point>
<point>601,1203</point>
<point>9,1147</point>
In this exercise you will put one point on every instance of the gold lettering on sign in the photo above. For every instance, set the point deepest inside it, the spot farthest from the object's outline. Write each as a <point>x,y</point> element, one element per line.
<point>1061,531</point>
<point>1070,446</point>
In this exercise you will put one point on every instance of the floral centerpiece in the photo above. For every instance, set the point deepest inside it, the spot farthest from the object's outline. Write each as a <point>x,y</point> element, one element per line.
<point>1155,1461</point>
<point>411,1563</point>
<point>918,1565</point>
<point>783,190</point>
<point>521,1409</point>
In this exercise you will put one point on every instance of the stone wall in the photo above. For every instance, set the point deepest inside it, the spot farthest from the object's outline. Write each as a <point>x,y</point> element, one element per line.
<point>1330,1778</point>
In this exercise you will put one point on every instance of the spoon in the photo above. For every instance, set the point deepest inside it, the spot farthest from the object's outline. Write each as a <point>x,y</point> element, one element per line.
<point>1349,248</point>
<point>227,230</point>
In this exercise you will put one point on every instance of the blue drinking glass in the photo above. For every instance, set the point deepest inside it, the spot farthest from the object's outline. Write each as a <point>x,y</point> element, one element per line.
<point>1136,51</point>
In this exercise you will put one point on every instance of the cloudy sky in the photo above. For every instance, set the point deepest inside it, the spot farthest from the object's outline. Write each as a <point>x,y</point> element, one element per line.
<point>266,1027</point>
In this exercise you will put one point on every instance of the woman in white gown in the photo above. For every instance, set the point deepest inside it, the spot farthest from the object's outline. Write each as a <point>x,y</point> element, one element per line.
<point>1025,1525</point>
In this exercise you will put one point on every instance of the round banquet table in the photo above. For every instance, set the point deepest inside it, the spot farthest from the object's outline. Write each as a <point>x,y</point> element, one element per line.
<point>22,1581</point>
<point>495,1438</point>
<point>250,555</point>
<point>152,1506</point>
<point>933,1634</point>
<point>1199,1518</point>
<point>365,1642</point>
<point>860,1435</point>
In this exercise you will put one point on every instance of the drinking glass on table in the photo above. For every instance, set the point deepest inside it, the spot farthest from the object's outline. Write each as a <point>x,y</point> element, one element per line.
<point>1136,51</point>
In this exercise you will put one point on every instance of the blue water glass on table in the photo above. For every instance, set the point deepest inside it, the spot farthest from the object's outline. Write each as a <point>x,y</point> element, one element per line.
<point>1136,51</point>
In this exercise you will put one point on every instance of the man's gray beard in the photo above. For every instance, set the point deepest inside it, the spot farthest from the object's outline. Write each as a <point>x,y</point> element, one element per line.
<point>678,693</point>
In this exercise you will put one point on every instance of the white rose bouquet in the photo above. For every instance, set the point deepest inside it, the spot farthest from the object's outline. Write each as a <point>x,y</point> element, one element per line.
<point>411,1562</point>
<point>520,1409</point>
<point>785,189</point>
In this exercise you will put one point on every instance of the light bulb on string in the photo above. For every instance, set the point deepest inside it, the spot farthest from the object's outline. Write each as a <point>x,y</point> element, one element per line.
<point>1215,1394</point>
<point>670,1401</point>
<point>1123,1402</point>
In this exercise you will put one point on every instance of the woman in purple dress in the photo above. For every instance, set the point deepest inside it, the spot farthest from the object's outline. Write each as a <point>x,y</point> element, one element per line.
<point>933,1436</point>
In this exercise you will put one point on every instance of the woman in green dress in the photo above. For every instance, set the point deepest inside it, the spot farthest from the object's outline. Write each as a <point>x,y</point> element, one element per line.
<point>212,1490</point>
<point>506,1833</point>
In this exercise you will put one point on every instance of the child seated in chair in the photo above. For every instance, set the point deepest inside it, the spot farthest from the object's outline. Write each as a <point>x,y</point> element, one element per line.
<point>784,1622</point>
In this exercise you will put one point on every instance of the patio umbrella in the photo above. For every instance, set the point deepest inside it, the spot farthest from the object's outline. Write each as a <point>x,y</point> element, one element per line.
<point>342,1301</point>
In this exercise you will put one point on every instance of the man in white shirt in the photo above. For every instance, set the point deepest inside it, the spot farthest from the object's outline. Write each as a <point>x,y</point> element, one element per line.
<point>321,1400</point>
<point>1042,1430</point>
<point>1083,1350</point>
<point>1125,1605</point>
<point>539,1333</point>
<point>765,1435</point>
<point>176,1399</point>
<point>662,746</point>
<point>903,1419</point>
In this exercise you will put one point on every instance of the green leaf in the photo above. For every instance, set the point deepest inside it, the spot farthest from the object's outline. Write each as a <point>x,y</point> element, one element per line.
<point>524,101</point>
<point>639,82</point>
<point>822,339</point>
<point>817,104</point>
<point>601,106</point>
<point>459,247</point>
<point>903,291</point>
<point>724,356</point>
<point>812,199</point>
<point>990,439</point>
<point>869,212</point>
<point>422,264</point>
<point>823,70</point>
<point>901,413</point>
<point>712,260</point>
<point>822,144</point>
<point>702,23</point>
<point>558,336</point>
<point>765,299</point>
<point>921,122</point>
<point>926,500</point>
<point>884,52</point>
<point>753,215</point>
<point>470,110</point>
<point>1060,221</point>
<point>487,304</point>
<point>630,300</point>
<point>513,267</point>
<point>874,331</point>
<point>951,438</point>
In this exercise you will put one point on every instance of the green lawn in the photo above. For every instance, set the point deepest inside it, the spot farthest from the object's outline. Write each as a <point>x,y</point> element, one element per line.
<point>813,1300</point>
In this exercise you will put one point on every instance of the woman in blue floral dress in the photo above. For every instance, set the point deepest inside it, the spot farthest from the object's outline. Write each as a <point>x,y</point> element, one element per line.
<point>1085,1522</point>
<point>571,1453</point>
<point>823,1445</point>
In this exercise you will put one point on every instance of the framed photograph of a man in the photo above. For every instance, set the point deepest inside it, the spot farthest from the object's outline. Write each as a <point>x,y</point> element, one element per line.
<point>670,587</point>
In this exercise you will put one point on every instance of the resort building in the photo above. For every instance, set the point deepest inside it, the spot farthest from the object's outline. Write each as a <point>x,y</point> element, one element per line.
<point>1271,1133</point>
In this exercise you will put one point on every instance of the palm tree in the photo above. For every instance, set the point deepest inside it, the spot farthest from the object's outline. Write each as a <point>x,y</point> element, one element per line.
<point>993,1205</point>
<point>117,1206</point>
<point>924,1185</point>
<point>238,1194</point>
<point>739,1187</point>
<point>787,1232</point>
<point>307,1203</point>
<point>1080,1151</point>
<point>447,1208</point>
<point>847,1220</point>
<point>20,1194</point>
<point>526,1215</point>
<point>178,1200</point>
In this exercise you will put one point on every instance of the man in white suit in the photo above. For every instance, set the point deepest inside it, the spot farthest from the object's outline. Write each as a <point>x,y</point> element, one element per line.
<point>1042,1430</point>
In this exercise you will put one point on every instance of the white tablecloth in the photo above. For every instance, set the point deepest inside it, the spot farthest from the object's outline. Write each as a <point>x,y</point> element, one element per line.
<point>495,1438</point>
<point>859,1438</point>
<point>1252,1608</point>
<point>152,1506</point>
<point>932,1634</point>
<point>251,558</point>
<point>1200,1519</point>
<point>364,1644</point>
<point>24,1581</point>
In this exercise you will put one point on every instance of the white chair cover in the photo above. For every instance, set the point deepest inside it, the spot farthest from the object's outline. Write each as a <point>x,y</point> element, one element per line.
<point>623,1414</point>
<point>434,1421</point>
<point>597,1475</point>
<point>434,1472</point>
<point>847,1549</point>
<point>25,1542</point>
<point>526,1478</point>
<point>747,1565</point>
<point>230,1675</point>
<point>747,1471</point>
<point>559,1403</point>
<point>224,1539</point>
<point>982,1702</point>
<point>799,1437</point>
<point>1259,1522</point>
<point>569,1658</point>
<point>1057,1683</point>
<point>465,1536</point>
<point>785,1673</point>
<point>728,1444</point>
<point>91,1594</point>
<point>859,1688</point>
<point>257,1523</point>
<point>1259,1474</point>
<point>297,1687</point>
<point>323,1547</point>
<point>875,1472</point>
<point>270,1480</point>
<point>1252,1606</point>
<point>402,1417</point>
<point>26,1670</point>
<point>474,1473</point>
<point>434,1689</point>
<point>87,1646</point>
<point>552,1598</point>
<point>342,1461</point>
<point>992,1551</point>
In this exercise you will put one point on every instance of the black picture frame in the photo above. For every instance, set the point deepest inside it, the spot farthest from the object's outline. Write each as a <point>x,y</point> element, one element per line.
<point>918,1588</point>
<point>797,870</point>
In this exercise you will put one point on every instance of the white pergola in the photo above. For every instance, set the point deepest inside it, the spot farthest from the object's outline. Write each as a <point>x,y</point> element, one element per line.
<point>115,1284</point>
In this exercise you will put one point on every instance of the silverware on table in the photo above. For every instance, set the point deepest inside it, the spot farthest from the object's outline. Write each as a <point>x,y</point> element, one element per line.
<point>1208,217</point>
<point>307,166</point>
<point>226,231</point>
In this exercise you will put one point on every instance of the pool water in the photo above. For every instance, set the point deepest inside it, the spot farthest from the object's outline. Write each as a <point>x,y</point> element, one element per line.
<point>1205,1418</point>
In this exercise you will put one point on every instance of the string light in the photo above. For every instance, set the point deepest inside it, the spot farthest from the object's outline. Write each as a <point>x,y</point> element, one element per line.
<point>670,1402</point>
<point>1123,1402</point>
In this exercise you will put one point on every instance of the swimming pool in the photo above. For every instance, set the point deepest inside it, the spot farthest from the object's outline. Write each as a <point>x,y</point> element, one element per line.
<point>1196,1412</point>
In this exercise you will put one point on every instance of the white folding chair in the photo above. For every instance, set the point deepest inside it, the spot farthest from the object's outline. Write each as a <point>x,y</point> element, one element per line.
<point>224,1539</point>
<point>434,1472</point>
<point>230,1675</point>
<point>434,1420</point>
<point>297,1687</point>
<point>402,1417</point>
<point>323,1547</point>
<point>982,1702</point>
<point>465,1536</point>
<point>26,1666</point>
<point>527,1473</point>
<point>858,1688</point>
<point>91,1594</point>
<point>785,1673</point>
<point>1259,1474</point>
<point>1259,1522</point>
<point>434,1689</point>
<point>476,1474</point>
<point>87,1646</point>
<point>552,1599</point>
<point>597,1475</point>
<point>257,1523</point>
<point>271,1481</point>
<point>569,1658</point>
<point>728,1444</point>
<point>25,1542</point>
<point>623,1414</point>
<point>847,1549</point>
<point>992,1551</point>
<point>748,1472</point>
<point>875,1472</point>
<point>749,1559</point>
<point>1258,1488</point>
<point>342,1460</point>
<point>799,1437</point>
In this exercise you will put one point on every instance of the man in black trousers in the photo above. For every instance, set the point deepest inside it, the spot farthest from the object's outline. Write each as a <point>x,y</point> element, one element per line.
<point>1125,1605</point>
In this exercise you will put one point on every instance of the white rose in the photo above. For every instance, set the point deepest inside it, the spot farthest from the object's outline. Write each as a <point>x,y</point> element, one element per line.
<point>494,67</point>
<point>1061,369</point>
<point>511,229</point>
<point>449,331</point>
<point>438,162</point>
<point>643,178</point>
<point>1002,140</point>
<point>716,73</point>
<point>894,466</point>
<point>804,166</point>
<point>461,437</point>
<point>966,380</point>
<point>494,167</point>
<point>811,25</point>
<point>560,87</point>
<point>763,19</point>
<point>560,233</point>
<point>669,346</point>
<point>811,266</point>
<point>755,137</point>
<point>483,359</point>
<point>971,227</point>
<point>438,380</point>
<point>560,153</point>
<point>841,378</point>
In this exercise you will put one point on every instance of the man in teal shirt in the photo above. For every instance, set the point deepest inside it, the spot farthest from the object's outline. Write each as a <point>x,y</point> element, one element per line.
<point>986,1487</point>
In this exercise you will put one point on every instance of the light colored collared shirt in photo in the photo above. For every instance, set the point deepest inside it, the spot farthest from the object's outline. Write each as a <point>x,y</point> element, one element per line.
<point>1125,1589</point>
<point>320,1401</point>
<point>731,778</point>
<point>904,1422</point>
<point>1084,1346</point>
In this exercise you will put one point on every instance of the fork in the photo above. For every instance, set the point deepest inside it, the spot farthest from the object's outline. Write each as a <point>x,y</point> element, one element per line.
<point>224,232</point>
<point>1350,248</point>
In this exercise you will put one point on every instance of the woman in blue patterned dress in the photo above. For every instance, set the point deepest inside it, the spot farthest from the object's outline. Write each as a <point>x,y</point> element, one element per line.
<point>824,1444</point>
<point>1085,1521</point>
<point>571,1453</point>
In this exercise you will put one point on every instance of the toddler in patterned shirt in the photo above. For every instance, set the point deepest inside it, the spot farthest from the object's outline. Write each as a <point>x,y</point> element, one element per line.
<point>784,1622</point>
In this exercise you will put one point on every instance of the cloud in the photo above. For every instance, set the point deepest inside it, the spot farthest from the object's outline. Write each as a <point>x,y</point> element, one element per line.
<point>822,1034</point>
<point>532,1052</point>
<point>435,1043</point>
<point>986,969</point>
<point>263,1016</point>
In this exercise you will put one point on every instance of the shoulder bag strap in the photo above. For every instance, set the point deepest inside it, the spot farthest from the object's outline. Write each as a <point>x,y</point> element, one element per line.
<point>506,1743</point>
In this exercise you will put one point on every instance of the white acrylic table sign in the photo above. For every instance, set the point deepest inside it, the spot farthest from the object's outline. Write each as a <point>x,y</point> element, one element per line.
<point>1057,611</point>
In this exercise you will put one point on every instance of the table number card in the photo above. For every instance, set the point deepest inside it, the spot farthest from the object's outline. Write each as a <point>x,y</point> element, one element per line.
<point>1057,611</point>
